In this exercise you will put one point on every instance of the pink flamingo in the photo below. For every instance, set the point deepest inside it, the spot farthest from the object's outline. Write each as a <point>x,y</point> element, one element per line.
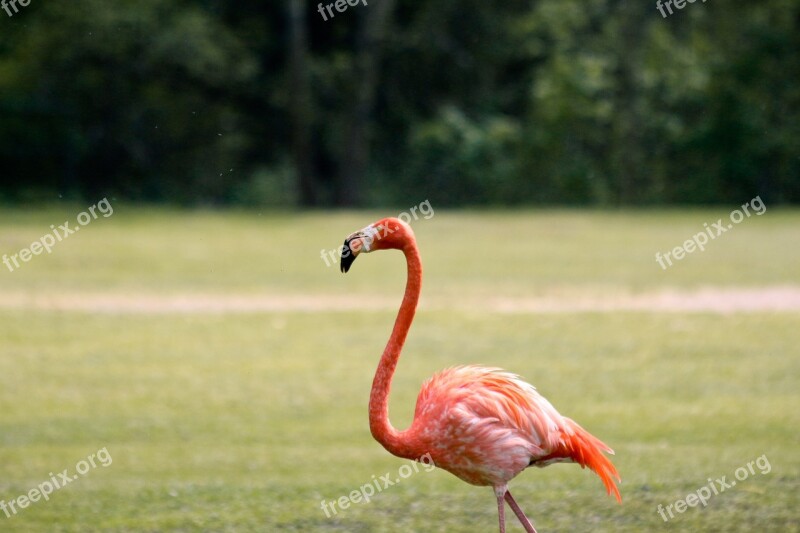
<point>483,425</point>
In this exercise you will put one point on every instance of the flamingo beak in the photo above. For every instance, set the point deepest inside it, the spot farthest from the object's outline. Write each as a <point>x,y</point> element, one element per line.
<point>352,246</point>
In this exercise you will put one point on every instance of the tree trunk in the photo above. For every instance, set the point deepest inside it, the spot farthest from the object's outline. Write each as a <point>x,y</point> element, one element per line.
<point>301,113</point>
<point>355,157</point>
<point>627,155</point>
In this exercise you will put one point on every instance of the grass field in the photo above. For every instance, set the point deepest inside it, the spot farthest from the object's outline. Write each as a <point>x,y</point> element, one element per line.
<point>246,420</point>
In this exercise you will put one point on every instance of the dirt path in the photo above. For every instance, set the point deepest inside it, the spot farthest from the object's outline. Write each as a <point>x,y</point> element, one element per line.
<point>712,299</point>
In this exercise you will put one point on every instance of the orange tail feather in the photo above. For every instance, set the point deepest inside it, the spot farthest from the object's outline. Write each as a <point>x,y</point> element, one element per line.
<point>587,450</point>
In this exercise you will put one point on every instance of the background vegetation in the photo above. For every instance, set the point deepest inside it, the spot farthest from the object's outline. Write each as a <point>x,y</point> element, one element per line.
<point>598,102</point>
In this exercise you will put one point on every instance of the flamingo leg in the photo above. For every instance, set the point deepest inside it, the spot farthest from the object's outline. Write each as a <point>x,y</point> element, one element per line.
<point>501,509</point>
<point>517,511</point>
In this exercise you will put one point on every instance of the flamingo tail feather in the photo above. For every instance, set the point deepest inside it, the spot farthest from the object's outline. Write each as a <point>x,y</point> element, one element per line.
<point>589,451</point>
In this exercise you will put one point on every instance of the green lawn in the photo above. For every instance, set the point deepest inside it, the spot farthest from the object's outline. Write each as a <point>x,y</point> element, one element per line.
<point>247,421</point>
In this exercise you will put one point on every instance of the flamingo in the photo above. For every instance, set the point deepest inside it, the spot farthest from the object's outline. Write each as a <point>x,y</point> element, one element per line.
<point>483,425</point>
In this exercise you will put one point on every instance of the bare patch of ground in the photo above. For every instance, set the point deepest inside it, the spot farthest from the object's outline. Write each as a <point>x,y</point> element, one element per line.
<point>710,299</point>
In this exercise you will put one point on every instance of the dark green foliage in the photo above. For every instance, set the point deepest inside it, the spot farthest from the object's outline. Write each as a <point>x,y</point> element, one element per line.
<point>586,102</point>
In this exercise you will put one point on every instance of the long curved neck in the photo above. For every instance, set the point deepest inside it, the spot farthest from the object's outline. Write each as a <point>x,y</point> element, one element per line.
<point>379,424</point>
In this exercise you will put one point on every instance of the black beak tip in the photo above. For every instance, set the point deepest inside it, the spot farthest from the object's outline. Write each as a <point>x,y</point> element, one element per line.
<point>347,257</point>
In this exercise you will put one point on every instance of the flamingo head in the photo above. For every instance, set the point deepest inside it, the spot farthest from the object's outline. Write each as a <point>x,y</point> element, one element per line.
<point>385,234</point>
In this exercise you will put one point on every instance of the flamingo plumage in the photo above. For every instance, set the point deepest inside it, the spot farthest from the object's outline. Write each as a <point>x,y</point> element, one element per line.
<point>483,425</point>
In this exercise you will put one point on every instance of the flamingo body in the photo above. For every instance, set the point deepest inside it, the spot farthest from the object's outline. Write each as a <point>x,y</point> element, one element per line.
<point>482,424</point>
<point>486,426</point>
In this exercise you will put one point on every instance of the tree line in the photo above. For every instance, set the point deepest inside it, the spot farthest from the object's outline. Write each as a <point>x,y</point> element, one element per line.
<point>569,102</point>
